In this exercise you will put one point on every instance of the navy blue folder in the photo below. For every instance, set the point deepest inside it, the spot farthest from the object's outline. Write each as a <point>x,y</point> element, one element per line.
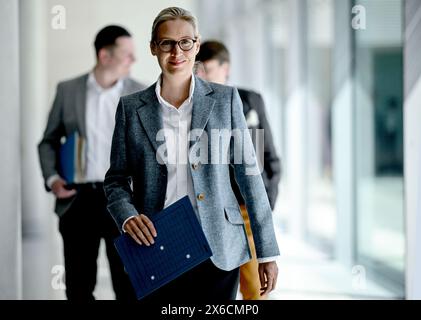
<point>71,155</point>
<point>179,246</point>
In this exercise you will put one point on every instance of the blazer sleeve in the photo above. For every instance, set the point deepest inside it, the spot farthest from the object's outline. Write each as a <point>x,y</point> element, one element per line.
<point>117,182</point>
<point>50,143</point>
<point>272,163</point>
<point>251,184</point>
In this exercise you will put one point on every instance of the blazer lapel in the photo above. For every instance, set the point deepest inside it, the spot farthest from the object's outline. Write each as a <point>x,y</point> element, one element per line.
<point>202,106</point>
<point>149,113</point>
<point>80,104</point>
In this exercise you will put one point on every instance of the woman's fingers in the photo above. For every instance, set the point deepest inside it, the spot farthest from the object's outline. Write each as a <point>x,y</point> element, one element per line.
<point>142,230</point>
<point>135,232</point>
<point>149,224</point>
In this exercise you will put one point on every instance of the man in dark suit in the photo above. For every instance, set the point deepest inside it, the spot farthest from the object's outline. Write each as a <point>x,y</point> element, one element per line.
<point>214,67</point>
<point>83,113</point>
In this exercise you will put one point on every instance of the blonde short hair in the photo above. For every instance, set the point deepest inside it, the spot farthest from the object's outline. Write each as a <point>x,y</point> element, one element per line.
<point>173,13</point>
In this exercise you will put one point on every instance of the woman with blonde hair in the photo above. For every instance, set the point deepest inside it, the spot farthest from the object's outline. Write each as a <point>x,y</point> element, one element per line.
<point>180,104</point>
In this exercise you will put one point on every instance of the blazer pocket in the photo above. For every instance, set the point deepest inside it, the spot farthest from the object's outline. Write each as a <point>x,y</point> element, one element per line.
<point>233,215</point>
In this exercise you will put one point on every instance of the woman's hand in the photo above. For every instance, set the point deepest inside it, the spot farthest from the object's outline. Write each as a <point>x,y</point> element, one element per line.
<point>141,229</point>
<point>268,274</point>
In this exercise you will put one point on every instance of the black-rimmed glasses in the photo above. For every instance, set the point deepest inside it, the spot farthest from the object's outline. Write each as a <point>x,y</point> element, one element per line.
<point>167,45</point>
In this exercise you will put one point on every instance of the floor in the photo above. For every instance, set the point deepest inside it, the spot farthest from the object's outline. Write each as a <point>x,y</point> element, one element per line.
<point>304,272</point>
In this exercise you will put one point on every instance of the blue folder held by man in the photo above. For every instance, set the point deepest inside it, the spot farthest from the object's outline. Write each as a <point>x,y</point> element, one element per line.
<point>179,246</point>
<point>71,158</point>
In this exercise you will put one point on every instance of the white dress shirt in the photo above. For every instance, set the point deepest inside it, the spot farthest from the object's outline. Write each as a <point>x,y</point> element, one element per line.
<point>176,124</point>
<point>101,106</point>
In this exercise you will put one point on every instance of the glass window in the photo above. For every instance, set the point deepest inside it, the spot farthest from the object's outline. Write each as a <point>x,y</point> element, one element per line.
<point>379,142</point>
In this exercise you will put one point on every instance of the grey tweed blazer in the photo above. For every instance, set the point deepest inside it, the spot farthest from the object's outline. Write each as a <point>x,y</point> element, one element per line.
<point>136,182</point>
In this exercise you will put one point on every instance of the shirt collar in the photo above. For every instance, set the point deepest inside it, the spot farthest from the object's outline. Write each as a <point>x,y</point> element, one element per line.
<point>92,83</point>
<point>163,102</point>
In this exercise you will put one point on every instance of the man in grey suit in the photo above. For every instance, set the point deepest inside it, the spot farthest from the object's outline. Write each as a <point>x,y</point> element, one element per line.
<point>83,112</point>
<point>143,178</point>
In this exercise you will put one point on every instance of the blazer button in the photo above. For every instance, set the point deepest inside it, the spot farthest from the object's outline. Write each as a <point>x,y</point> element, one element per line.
<point>200,197</point>
<point>195,166</point>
